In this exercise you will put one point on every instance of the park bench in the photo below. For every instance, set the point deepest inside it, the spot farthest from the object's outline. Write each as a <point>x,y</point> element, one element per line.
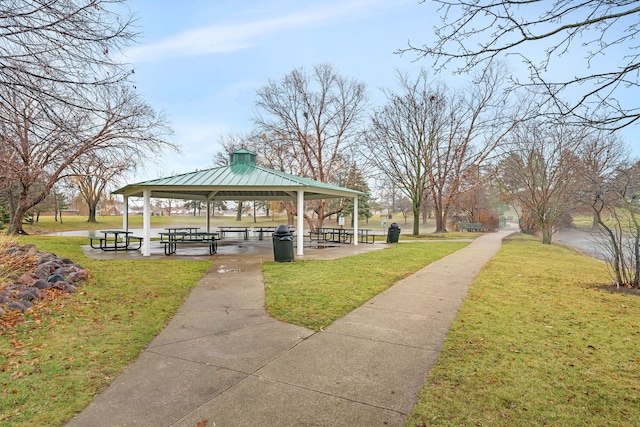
<point>470,226</point>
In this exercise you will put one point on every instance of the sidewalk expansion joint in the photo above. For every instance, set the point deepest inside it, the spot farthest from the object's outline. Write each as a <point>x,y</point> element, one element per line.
<point>212,334</point>
<point>375,340</point>
<point>313,390</point>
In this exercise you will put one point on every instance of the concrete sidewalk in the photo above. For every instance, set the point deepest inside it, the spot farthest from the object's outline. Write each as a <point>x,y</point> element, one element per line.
<point>222,361</point>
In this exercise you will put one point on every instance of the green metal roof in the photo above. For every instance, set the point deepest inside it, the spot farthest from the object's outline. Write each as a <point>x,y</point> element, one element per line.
<point>242,180</point>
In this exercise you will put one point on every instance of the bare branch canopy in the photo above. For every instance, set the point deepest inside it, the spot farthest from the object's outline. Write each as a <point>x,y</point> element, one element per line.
<point>582,55</point>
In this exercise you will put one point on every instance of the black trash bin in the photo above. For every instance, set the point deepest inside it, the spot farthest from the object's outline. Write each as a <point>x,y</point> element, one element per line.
<point>282,244</point>
<point>393,234</point>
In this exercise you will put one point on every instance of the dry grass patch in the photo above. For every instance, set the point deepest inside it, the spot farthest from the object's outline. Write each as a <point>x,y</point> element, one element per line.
<point>11,266</point>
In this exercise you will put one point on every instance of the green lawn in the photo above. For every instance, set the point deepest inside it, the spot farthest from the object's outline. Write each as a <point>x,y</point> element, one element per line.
<point>48,224</point>
<point>66,352</point>
<point>538,342</point>
<point>315,293</point>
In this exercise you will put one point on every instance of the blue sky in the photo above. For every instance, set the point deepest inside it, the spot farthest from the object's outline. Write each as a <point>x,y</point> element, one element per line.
<point>201,61</point>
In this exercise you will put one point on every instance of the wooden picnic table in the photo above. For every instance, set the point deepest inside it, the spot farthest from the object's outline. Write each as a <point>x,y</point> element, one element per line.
<point>116,240</point>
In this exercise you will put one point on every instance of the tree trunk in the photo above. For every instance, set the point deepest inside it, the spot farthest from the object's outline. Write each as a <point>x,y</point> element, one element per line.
<point>239,211</point>
<point>416,217</point>
<point>636,277</point>
<point>92,213</point>
<point>617,256</point>
<point>439,213</point>
<point>15,223</point>
<point>321,213</point>
<point>546,234</point>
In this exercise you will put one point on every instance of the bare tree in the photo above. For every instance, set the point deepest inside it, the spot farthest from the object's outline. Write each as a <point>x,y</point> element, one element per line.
<point>431,140</point>
<point>543,35</point>
<point>402,138</point>
<point>126,129</point>
<point>477,121</point>
<point>56,52</point>
<point>477,201</point>
<point>602,156</point>
<point>64,94</point>
<point>617,210</point>
<point>541,172</point>
<point>314,118</point>
<point>92,174</point>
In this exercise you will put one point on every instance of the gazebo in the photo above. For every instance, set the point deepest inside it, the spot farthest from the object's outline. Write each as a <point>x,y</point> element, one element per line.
<point>243,179</point>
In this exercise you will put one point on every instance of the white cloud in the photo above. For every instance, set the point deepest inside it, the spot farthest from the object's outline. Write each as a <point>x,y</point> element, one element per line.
<point>229,37</point>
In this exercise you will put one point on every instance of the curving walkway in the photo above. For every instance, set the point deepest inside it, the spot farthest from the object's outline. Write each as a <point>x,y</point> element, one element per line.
<point>222,361</point>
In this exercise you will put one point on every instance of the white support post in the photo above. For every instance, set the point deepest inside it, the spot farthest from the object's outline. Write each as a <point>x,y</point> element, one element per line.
<point>208,215</point>
<point>355,221</point>
<point>300,223</point>
<point>125,214</point>
<point>146,218</point>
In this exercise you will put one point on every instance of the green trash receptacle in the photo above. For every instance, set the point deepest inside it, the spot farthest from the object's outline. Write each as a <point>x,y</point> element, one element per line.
<point>393,234</point>
<point>282,244</point>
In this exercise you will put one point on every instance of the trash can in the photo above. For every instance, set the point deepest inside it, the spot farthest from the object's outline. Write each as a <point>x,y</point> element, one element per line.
<point>282,244</point>
<point>394,233</point>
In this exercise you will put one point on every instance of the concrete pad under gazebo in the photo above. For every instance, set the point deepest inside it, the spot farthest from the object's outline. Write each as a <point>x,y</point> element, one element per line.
<point>243,179</point>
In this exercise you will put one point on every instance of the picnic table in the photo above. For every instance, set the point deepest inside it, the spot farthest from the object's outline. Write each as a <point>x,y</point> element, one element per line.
<point>182,229</point>
<point>244,231</point>
<point>262,230</point>
<point>116,240</point>
<point>329,235</point>
<point>267,229</point>
<point>365,235</point>
<point>171,240</point>
<point>338,235</point>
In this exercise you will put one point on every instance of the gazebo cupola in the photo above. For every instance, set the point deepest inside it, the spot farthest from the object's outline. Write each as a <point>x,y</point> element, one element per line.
<point>243,157</point>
